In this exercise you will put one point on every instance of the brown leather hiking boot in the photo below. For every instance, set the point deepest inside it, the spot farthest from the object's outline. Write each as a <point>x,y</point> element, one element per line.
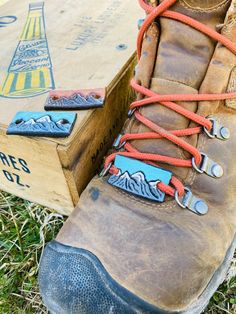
<point>156,233</point>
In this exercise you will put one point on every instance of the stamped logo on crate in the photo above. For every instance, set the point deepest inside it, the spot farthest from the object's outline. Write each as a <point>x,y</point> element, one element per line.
<point>93,30</point>
<point>13,168</point>
<point>30,71</point>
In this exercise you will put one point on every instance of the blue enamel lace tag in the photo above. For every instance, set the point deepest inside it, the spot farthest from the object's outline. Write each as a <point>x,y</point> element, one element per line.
<point>50,124</point>
<point>139,178</point>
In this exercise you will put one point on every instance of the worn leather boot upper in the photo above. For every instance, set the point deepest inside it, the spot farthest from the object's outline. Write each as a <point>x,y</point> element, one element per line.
<point>170,259</point>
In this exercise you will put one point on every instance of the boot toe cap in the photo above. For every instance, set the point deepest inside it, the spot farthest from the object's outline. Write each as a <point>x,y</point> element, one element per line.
<point>73,280</point>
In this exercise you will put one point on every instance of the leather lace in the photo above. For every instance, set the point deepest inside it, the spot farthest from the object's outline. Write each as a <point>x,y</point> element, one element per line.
<point>156,131</point>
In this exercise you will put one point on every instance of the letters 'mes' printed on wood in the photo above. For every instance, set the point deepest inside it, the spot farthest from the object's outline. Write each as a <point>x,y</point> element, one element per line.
<point>30,72</point>
<point>14,167</point>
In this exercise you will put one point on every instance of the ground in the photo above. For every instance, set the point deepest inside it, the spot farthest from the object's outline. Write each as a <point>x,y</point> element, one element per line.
<point>24,230</point>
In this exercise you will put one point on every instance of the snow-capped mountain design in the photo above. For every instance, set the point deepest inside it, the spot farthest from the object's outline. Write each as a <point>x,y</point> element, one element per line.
<point>44,119</point>
<point>41,126</point>
<point>138,185</point>
<point>75,101</point>
<point>30,121</point>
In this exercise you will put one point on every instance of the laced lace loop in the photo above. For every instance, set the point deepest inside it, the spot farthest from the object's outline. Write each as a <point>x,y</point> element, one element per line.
<point>169,101</point>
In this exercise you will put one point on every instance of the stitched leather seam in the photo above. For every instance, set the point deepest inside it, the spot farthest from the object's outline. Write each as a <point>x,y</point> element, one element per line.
<point>174,81</point>
<point>198,9</point>
<point>148,205</point>
<point>231,77</point>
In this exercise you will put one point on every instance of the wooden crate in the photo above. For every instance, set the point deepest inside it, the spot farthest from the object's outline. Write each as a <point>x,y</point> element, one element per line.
<point>91,45</point>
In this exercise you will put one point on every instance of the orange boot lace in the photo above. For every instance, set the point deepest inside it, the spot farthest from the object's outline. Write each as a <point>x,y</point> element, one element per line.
<point>176,187</point>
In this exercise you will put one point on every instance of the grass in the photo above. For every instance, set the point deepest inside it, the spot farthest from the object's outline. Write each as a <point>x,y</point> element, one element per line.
<point>24,230</point>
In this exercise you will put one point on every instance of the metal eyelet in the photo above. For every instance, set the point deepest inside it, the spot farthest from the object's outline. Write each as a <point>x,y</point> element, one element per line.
<point>121,145</point>
<point>210,133</point>
<point>105,171</point>
<point>117,141</point>
<point>177,199</point>
<point>217,131</point>
<point>131,112</point>
<point>191,202</point>
<point>117,144</point>
<point>210,167</point>
<point>198,169</point>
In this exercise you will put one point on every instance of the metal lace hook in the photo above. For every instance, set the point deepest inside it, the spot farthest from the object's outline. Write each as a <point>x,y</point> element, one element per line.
<point>191,202</point>
<point>106,170</point>
<point>210,167</point>
<point>117,143</point>
<point>217,131</point>
<point>131,112</point>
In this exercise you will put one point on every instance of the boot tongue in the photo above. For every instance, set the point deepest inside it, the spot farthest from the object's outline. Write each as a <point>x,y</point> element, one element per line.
<point>182,59</point>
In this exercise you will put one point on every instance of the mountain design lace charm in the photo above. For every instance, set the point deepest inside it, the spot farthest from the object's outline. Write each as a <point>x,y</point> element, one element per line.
<point>139,178</point>
<point>48,124</point>
<point>75,100</point>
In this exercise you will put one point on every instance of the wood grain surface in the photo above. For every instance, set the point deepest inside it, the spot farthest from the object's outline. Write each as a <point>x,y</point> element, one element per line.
<point>70,45</point>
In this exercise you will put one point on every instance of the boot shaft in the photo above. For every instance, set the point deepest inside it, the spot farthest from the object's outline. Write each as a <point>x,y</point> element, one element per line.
<point>175,59</point>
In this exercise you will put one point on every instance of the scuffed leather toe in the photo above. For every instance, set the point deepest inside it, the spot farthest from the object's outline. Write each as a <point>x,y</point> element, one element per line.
<point>161,254</point>
<point>73,280</point>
